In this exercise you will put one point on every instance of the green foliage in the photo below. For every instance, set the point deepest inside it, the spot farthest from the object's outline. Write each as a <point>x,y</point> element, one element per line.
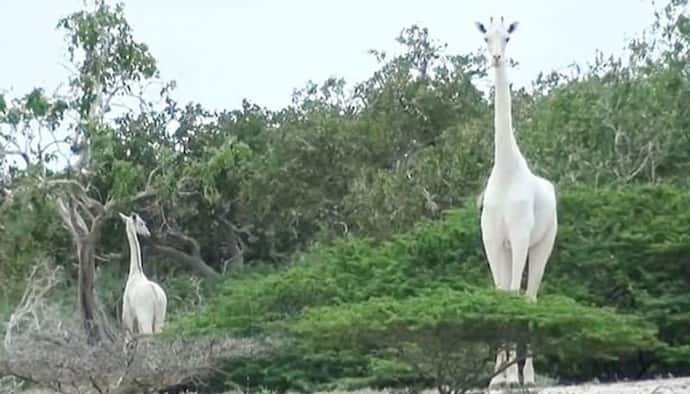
<point>221,169</point>
<point>291,369</point>
<point>557,323</point>
<point>19,120</point>
<point>437,178</point>
<point>332,274</point>
<point>109,58</point>
<point>447,336</point>
<point>29,231</point>
<point>126,178</point>
<point>617,248</point>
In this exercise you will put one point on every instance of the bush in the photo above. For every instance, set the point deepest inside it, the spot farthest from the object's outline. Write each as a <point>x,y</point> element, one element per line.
<point>449,336</point>
<point>623,248</point>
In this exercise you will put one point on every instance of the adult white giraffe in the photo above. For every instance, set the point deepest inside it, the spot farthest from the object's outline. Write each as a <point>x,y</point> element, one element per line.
<point>144,301</point>
<point>518,218</point>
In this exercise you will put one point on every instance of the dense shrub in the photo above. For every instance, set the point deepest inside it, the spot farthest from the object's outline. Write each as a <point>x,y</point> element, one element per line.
<point>623,248</point>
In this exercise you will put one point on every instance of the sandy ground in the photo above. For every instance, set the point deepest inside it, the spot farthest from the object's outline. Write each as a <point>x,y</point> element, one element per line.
<point>657,386</point>
<point>660,386</point>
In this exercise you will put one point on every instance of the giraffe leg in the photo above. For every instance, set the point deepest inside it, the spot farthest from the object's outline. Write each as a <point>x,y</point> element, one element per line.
<point>499,262</point>
<point>538,257</point>
<point>512,376</point>
<point>520,245</point>
<point>520,223</point>
<point>500,379</point>
<point>528,370</point>
<point>498,256</point>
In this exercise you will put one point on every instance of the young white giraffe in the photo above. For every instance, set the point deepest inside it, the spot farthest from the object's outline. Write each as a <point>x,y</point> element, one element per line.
<point>518,218</point>
<point>144,301</point>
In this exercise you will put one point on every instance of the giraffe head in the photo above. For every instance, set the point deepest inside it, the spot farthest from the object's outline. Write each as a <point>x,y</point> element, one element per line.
<point>496,36</point>
<point>137,223</point>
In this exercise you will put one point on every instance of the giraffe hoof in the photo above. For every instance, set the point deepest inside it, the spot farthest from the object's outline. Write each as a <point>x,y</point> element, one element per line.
<point>498,382</point>
<point>513,385</point>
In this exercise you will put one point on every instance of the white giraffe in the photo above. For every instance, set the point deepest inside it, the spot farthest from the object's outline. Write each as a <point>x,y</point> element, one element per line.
<point>144,301</point>
<point>518,219</point>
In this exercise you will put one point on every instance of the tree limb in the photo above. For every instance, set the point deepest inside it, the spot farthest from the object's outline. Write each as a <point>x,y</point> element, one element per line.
<point>74,223</point>
<point>193,261</point>
<point>193,243</point>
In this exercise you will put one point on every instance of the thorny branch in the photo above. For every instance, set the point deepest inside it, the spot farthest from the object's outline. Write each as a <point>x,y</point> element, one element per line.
<point>80,205</point>
<point>42,279</point>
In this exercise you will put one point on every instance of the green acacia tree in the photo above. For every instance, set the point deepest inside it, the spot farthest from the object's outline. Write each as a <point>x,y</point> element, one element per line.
<point>449,336</point>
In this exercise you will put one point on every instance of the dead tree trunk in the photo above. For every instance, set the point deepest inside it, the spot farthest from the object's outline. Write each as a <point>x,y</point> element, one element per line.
<point>236,245</point>
<point>87,290</point>
<point>85,244</point>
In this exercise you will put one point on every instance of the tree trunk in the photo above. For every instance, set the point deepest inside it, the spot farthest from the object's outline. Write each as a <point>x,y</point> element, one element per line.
<point>87,292</point>
<point>237,253</point>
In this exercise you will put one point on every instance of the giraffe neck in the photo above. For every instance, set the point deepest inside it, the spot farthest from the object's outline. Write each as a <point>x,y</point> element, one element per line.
<point>134,252</point>
<point>507,156</point>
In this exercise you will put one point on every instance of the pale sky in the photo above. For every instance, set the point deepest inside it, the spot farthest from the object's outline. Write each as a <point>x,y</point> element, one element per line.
<point>220,52</point>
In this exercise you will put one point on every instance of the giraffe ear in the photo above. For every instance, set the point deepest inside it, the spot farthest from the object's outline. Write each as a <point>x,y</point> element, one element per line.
<point>480,26</point>
<point>512,27</point>
<point>123,216</point>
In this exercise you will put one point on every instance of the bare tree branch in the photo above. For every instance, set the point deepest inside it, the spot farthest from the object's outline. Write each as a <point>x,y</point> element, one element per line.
<point>74,223</point>
<point>42,279</point>
<point>15,152</point>
<point>193,261</point>
<point>193,243</point>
